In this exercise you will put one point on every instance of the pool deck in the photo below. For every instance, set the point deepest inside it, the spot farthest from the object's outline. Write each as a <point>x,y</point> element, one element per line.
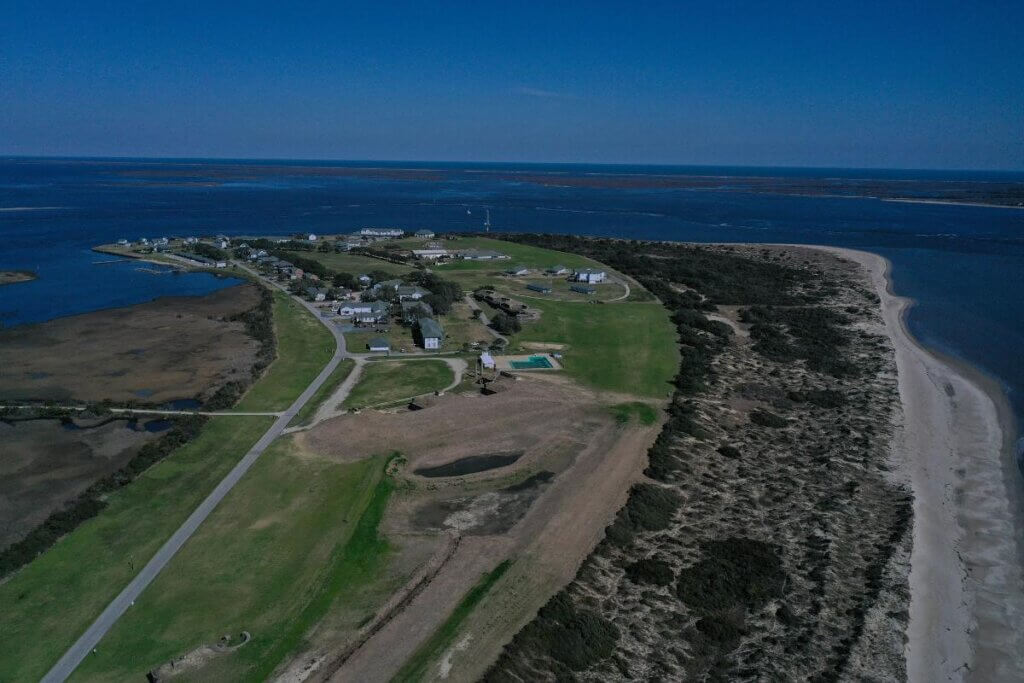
<point>505,362</point>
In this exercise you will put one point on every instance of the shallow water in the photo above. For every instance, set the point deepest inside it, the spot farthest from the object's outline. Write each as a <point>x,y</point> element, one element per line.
<point>963,264</point>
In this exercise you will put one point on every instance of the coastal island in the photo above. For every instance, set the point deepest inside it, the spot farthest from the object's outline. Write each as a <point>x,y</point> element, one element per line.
<point>525,458</point>
<point>10,277</point>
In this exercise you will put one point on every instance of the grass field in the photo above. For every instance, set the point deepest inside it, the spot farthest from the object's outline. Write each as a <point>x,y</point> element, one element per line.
<point>644,413</point>
<point>303,348</point>
<point>386,381</point>
<point>325,390</point>
<point>297,534</point>
<point>623,347</point>
<point>353,263</point>
<point>415,669</point>
<point>519,254</point>
<point>400,337</point>
<point>49,603</point>
<point>560,289</point>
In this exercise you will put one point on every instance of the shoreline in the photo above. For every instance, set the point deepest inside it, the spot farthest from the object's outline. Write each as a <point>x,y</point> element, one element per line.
<point>903,200</point>
<point>966,581</point>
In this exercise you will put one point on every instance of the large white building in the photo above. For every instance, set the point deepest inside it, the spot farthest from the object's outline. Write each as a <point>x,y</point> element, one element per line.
<point>589,275</point>
<point>381,232</point>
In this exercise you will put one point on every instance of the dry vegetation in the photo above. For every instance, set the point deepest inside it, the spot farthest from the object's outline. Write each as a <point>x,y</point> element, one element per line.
<point>770,541</point>
<point>46,464</point>
<point>123,354</point>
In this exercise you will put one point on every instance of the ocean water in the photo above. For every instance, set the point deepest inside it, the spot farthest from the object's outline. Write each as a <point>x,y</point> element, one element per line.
<point>964,265</point>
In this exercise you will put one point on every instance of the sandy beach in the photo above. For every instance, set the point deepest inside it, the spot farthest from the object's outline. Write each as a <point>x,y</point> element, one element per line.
<point>955,450</point>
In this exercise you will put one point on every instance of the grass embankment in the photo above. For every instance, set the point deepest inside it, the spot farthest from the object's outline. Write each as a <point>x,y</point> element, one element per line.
<point>343,370</point>
<point>624,347</point>
<point>304,346</point>
<point>353,263</point>
<point>387,381</point>
<point>415,669</point>
<point>296,535</point>
<point>50,602</point>
<point>644,413</point>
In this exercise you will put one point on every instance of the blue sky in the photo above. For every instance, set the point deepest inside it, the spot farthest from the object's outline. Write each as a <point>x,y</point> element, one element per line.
<point>861,84</point>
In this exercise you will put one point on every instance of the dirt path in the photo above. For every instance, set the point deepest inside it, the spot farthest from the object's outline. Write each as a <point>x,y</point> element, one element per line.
<point>484,319</point>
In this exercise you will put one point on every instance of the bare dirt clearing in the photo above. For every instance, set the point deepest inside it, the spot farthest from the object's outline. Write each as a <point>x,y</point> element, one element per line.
<point>171,348</point>
<point>548,505</point>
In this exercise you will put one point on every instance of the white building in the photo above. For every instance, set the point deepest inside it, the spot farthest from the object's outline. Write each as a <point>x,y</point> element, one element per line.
<point>431,332</point>
<point>589,275</point>
<point>430,254</point>
<point>425,234</point>
<point>381,232</point>
<point>311,237</point>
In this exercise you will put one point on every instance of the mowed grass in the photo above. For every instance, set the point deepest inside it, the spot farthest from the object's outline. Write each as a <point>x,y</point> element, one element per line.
<point>353,263</point>
<point>644,413</point>
<point>326,389</point>
<point>623,347</point>
<point>519,254</point>
<point>416,668</point>
<point>387,381</point>
<point>49,603</point>
<point>304,346</point>
<point>297,534</point>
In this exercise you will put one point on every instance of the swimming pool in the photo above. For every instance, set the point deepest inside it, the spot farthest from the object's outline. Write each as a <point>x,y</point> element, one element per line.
<point>532,363</point>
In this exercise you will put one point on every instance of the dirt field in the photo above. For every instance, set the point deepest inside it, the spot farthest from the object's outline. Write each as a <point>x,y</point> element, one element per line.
<point>43,465</point>
<point>167,349</point>
<point>546,509</point>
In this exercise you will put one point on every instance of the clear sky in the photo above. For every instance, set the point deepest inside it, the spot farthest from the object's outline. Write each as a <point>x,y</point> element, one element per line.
<point>932,84</point>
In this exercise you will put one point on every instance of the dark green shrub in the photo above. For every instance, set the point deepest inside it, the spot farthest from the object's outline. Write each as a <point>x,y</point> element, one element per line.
<point>652,571</point>
<point>730,573</point>
<point>766,419</point>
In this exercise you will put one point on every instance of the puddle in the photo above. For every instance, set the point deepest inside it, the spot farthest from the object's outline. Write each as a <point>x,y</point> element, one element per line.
<point>470,465</point>
<point>158,425</point>
<point>182,404</point>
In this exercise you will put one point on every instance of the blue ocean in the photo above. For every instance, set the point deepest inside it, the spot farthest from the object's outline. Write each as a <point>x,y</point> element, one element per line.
<point>963,264</point>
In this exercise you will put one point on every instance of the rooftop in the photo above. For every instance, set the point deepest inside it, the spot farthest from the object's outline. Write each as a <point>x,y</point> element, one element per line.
<point>430,328</point>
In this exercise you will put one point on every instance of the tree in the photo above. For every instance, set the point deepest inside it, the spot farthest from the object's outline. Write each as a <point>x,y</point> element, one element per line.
<point>505,323</point>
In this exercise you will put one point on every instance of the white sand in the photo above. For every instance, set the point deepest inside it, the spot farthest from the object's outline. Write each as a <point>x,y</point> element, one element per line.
<point>966,579</point>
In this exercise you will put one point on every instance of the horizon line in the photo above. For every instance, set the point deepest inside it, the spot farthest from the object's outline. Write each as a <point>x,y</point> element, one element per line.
<point>266,160</point>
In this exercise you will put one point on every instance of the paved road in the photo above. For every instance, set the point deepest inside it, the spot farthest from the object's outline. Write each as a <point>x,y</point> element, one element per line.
<point>92,636</point>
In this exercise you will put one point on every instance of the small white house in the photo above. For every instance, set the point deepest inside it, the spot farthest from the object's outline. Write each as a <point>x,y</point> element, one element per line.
<point>311,237</point>
<point>365,279</point>
<point>518,270</point>
<point>487,361</point>
<point>431,333</point>
<point>425,234</point>
<point>411,292</point>
<point>558,270</point>
<point>590,276</point>
<point>379,344</point>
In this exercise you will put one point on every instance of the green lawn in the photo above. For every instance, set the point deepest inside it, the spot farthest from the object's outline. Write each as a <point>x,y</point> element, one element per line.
<point>399,336</point>
<point>304,346</point>
<point>386,381</point>
<point>353,263</point>
<point>296,535</point>
<point>325,390</point>
<point>560,289</point>
<point>415,668</point>
<point>50,602</point>
<point>624,347</point>
<point>644,413</point>
<point>519,254</point>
